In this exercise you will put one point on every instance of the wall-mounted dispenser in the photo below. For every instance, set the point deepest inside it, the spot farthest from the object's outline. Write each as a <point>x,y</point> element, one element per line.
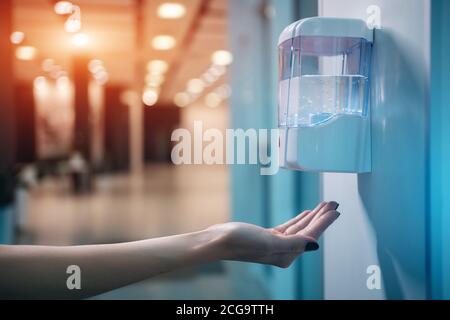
<point>324,115</point>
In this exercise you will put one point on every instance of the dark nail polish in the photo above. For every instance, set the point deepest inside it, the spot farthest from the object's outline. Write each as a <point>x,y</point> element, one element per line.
<point>334,205</point>
<point>312,246</point>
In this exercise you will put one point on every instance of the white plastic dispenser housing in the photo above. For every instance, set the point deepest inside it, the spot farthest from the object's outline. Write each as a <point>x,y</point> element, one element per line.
<point>324,85</point>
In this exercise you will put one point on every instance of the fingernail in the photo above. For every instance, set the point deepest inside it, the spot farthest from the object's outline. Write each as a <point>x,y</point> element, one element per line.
<point>337,214</point>
<point>334,205</point>
<point>312,246</point>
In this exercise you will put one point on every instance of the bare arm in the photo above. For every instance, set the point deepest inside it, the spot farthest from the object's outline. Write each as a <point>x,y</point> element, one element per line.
<point>40,271</point>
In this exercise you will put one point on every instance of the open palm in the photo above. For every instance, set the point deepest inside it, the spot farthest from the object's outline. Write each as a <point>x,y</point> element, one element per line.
<point>281,245</point>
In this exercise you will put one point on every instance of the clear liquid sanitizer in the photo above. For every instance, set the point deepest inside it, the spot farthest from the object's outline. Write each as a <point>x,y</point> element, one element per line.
<point>324,85</point>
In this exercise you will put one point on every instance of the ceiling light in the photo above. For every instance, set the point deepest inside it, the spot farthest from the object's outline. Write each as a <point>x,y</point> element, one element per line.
<point>163,42</point>
<point>63,7</point>
<point>195,86</point>
<point>80,39</point>
<point>26,53</point>
<point>222,58</point>
<point>171,10</point>
<point>150,97</point>
<point>17,37</point>
<point>157,66</point>
<point>213,100</point>
<point>181,99</point>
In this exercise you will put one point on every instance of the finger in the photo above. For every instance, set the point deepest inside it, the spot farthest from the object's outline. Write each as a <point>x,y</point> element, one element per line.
<point>316,228</point>
<point>282,227</point>
<point>330,206</point>
<point>301,224</point>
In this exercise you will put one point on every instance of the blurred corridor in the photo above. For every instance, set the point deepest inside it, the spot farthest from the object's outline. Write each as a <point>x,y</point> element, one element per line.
<point>164,200</point>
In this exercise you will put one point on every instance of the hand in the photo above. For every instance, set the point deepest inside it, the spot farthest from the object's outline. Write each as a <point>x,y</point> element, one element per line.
<point>278,246</point>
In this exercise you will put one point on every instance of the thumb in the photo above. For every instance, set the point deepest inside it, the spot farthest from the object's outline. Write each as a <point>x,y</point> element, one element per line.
<point>296,243</point>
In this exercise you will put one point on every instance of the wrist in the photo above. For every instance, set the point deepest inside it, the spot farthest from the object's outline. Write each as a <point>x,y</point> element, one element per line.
<point>210,244</point>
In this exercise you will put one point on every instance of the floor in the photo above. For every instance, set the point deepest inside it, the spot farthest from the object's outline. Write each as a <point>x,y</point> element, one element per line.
<point>161,201</point>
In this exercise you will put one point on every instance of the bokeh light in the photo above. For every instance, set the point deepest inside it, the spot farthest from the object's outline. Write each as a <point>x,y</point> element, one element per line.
<point>63,7</point>
<point>171,10</point>
<point>150,97</point>
<point>222,58</point>
<point>157,66</point>
<point>181,99</point>
<point>213,100</point>
<point>95,65</point>
<point>80,40</point>
<point>40,83</point>
<point>26,53</point>
<point>17,37</point>
<point>195,86</point>
<point>163,42</point>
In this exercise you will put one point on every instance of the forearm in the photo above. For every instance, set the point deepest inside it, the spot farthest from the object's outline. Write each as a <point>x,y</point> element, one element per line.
<point>40,271</point>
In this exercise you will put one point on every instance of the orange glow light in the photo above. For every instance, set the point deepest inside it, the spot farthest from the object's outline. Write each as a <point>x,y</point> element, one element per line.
<point>17,37</point>
<point>40,83</point>
<point>182,99</point>
<point>171,10</point>
<point>154,79</point>
<point>222,58</point>
<point>72,25</point>
<point>163,42</point>
<point>62,82</point>
<point>213,100</point>
<point>157,67</point>
<point>101,77</point>
<point>63,7</point>
<point>80,40</point>
<point>26,53</point>
<point>95,65</point>
<point>195,86</point>
<point>150,97</point>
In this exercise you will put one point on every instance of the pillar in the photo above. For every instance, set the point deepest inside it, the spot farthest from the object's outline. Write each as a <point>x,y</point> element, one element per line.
<point>7,130</point>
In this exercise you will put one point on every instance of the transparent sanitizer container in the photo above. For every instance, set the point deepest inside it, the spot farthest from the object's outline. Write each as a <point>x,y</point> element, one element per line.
<point>324,86</point>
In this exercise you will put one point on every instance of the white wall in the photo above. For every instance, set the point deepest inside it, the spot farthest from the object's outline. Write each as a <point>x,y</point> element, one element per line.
<point>383,219</point>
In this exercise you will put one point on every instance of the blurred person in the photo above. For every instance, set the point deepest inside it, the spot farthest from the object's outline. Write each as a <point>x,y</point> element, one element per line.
<point>78,168</point>
<point>41,271</point>
<point>27,177</point>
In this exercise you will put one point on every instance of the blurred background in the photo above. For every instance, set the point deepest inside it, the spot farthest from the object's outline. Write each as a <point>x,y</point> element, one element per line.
<point>91,90</point>
<point>98,87</point>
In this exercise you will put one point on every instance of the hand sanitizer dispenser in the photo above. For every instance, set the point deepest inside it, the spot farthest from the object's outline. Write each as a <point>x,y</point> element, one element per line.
<point>324,84</point>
